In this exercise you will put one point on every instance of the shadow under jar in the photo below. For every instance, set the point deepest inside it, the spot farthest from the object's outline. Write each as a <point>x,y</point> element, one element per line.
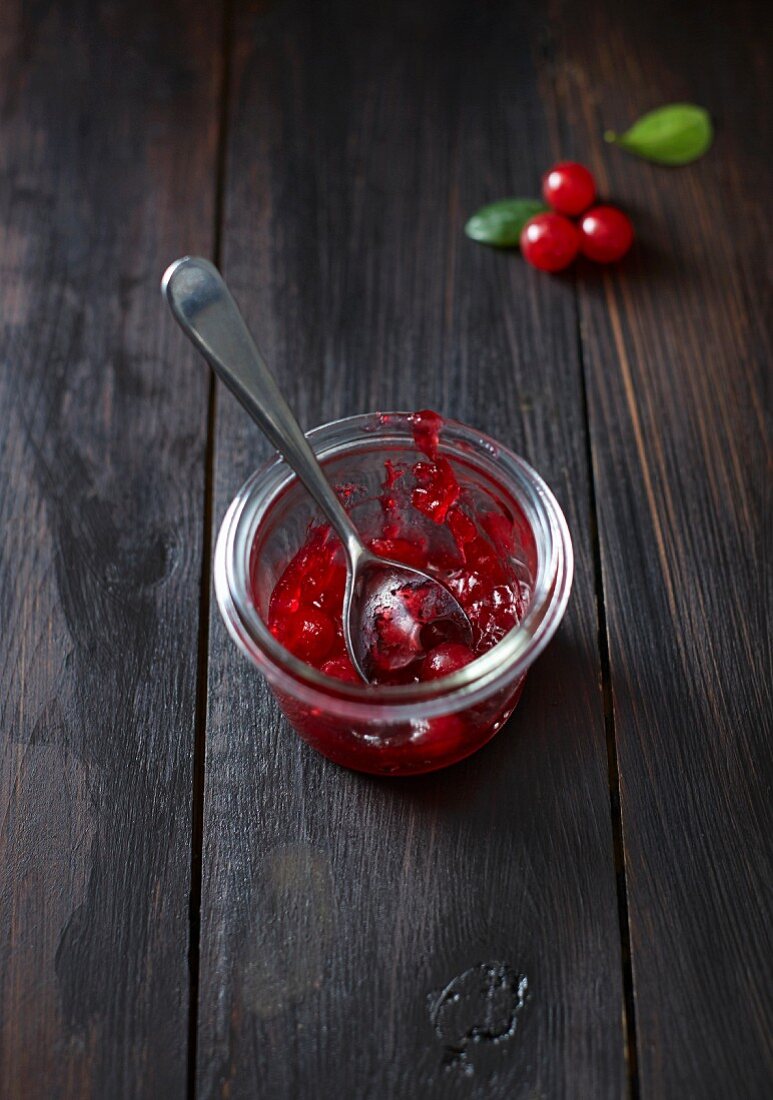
<point>411,728</point>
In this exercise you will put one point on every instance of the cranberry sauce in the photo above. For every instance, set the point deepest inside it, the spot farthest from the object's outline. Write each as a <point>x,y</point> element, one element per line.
<point>474,559</point>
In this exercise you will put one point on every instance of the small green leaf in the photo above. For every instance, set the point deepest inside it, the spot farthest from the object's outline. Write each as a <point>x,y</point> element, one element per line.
<point>677,134</point>
<point>500,223</point>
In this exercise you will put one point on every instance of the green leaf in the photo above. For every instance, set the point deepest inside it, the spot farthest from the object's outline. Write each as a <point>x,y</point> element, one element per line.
<point>500,223</point>
<point>677,134</point>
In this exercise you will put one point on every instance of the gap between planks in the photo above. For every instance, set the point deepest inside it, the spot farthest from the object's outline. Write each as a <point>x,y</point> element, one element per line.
<point>200,727</point>
<point>615,810</point>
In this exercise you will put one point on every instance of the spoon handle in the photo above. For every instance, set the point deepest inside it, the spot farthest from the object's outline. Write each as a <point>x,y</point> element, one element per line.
<point>203,307</point>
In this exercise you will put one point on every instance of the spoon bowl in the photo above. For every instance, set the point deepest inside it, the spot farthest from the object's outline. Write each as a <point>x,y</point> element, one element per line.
<point>392,613</point>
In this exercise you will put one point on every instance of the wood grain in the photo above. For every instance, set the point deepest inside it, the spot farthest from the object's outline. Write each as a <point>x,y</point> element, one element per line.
<point>677,363</point>
<point>337,909</point>
<point>343,916</point>
<point>107,131</point>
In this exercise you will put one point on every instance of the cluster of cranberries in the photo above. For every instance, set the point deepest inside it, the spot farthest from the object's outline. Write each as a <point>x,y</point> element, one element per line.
<point>551,241</point>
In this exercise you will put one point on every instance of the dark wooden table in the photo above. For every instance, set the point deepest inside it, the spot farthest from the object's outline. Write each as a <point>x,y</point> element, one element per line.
<point>192,901</point>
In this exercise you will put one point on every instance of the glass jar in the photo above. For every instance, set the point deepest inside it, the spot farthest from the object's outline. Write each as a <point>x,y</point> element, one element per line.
<point>405,729</point>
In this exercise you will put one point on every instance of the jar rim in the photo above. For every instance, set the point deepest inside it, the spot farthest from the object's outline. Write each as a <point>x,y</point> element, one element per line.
<point>504,662</point>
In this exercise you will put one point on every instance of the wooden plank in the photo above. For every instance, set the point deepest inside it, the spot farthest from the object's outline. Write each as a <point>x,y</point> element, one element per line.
<point>677,360</point>
<point>335,907</point>
<point>107,133</point>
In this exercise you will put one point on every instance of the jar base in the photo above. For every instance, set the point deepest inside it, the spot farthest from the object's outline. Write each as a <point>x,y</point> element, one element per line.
<point>429,746</point>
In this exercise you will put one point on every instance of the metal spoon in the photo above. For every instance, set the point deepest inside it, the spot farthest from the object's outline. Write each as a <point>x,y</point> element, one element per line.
<point>391,612</point>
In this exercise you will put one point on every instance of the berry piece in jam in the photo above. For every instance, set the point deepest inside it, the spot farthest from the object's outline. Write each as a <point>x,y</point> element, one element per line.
<point>427,426</point>
<point>445,659</point>
<point>308,633</point>
<point>437,489</point>
<point>341,668</point>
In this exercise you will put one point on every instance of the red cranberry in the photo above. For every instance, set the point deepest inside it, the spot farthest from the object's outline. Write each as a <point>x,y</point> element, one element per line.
<point>446,734</point>
<point>309,634</point>
<point>606,234</point>
<point>569,188</point>
<point>549,242</point>
<point>444,659</point>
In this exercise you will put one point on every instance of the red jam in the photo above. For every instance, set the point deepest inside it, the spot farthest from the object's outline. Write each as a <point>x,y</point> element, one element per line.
<point>453,523</point>
<point>474,562</point>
